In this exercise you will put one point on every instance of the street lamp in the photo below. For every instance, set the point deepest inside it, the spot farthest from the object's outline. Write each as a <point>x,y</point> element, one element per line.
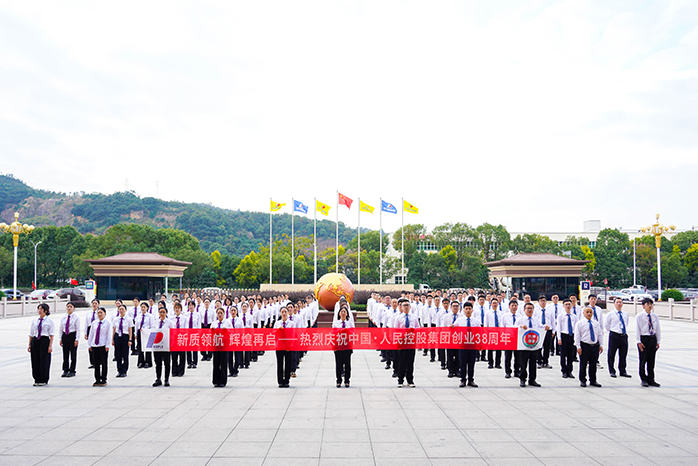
<point>658,230</point>
<point>36,285</point>
<point>16,229</point>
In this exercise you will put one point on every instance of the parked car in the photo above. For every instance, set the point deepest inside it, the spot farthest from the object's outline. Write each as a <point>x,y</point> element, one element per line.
<point>76,294</point>
<point>634,294</point>
<point>40,294</point>
<point>10,293</point>
<point>688,294</point>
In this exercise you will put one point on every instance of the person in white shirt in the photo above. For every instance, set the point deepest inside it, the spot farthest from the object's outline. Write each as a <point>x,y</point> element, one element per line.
<point>441,315</point>
<point>91,317</point>
<point>648,335</point>
<point>100,343</point>
<point>193,319</point>
<point>493,318</point>
<point>133,314</point>
<point>529,358</point>
<point>587,338</point>
<point>122,338</point>
<point>480,310</point>
<point>429,311</point>
<point>40,345</point>
<point>207,316</point>
<point>448,320</point>
<point>178,357</point>
<point>68,338</point>
<point>556,308</point>
<point>617,322</point>
<point>467,356</point>
<point>236,359</point>
<point>220,358</point>
<point>342,358</point>
<point>144,321</point>
<point>162,358</point>
<point>545,314</point>
<point>284,359</point>
<point>566,323</point>
<point>405,356</point>
<point>509,319</point>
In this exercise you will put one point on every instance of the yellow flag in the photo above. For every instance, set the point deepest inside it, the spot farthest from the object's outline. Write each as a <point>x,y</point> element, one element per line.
<point>324,209</point>
<point>276,206</point>
<point>365,207</point>
<point>407,207</point>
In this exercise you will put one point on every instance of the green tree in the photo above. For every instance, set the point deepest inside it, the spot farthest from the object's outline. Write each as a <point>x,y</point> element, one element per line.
<point>613,257</point>
<point>673,272</point>
<point>370,241</point>
<point>533,242</point>
<point>493,241</point>
<point>246,273</point>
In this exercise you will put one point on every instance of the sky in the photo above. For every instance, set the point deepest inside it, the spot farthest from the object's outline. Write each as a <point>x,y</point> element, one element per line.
<point>535,115</point>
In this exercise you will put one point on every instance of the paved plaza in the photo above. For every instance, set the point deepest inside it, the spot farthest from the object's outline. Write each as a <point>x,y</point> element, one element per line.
<point>253,422</point>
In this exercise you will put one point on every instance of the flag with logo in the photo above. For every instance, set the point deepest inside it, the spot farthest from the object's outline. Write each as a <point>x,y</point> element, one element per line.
<point>365,207</point>
<point>276,206</point>
<point>407,207</point>
<point>298,206</point>
<point>388,207</point>
<point>323,208</point>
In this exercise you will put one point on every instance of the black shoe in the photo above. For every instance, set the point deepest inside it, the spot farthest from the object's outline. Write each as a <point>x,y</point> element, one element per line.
<point>387,366</point>
<point>595,384</point>
<point>582,384</point>
<point>339,385</point>
<point>71,374</point>
<point>394,374</point>
<point>507,376</point>
<point>157,383</point>
<point>432,360</point>
<point>644,383</point>
<point>443,368</point>
<point>522,384</point>
<point>613,375</point>
<point>383,360</point>
<point>490,366</point>
<point>472,384</point>
<point>64,374</point>
<point>654,384</point>
<point>462,384</point>
<point>119,375</point>
<point>451,375</point>
<point>281,385</point>
<point>625,374</point>
<point>167,383</point>
<point>534,384</point>
<point>517,374</point>
<point>346,384</point>
<point>91,367</point>
<point>497,366</point>
<point>234,375</point>
<point>564,375</point>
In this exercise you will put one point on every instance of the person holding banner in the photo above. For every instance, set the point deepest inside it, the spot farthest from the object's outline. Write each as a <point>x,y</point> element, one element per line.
<point>220,358</point>
<point>587,338</point>
<point>529,358</point>
<point>284,359</point>
<point>162,357</point>
<point>509,320</point>
<point>40,346</point>
<point>405,356</point>
<point>566,323</point>
<point>144,321</point>
<point>342,358</point>
<point>467,356</point>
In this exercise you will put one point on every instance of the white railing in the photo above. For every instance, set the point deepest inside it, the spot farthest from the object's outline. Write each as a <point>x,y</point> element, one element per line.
<point>26,306</point>
<point>672,310</point>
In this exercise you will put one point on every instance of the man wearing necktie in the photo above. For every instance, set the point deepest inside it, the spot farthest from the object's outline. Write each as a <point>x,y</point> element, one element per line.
<point>135,312</point>
<point>529,358</point>
<point>566,323</point>
<point>193,321</point>
<point>617,325</point>
<point>91,317</point>
<point>405,356</point>
<point>546,318</point>
<point>587,338</point>
<point>509,319</point>
<point>649,335</point>
<point>557,309</point>
<point>481,311</point>
<point>452,353</point>
<point>493,318</point>
<point>467,356</point>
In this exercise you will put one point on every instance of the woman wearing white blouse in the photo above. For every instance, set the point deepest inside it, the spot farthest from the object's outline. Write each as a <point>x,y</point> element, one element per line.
<point>220,358</point>
<point>342,358</point>
<point>284,359</point>
<point>40,345</point>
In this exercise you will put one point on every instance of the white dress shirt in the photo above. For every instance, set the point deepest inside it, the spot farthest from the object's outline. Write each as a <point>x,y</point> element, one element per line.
<point>642,322</point>
<point>563,323</point>
<point>73,325</point>
<point>48,328</point>
<point>105,333</point>
<point>582,333</point>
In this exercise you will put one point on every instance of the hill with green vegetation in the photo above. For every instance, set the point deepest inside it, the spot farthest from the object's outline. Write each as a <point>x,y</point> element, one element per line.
<point>232,232</point>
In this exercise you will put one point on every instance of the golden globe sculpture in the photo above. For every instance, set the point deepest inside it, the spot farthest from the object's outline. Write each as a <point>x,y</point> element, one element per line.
<point>330,287</point>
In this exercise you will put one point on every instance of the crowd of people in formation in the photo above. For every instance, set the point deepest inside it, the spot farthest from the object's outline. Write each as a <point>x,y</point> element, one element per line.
<point>571,331</point>
<point>117,333</point>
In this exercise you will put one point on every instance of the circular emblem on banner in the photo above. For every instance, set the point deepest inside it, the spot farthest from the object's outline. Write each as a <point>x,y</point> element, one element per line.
<point>530,338</point>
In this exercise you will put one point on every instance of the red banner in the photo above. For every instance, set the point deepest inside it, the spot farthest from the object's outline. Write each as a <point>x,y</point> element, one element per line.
<point>329,339</point>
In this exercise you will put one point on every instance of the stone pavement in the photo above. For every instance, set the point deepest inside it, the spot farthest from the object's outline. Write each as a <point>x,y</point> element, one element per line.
<point>252,422</point>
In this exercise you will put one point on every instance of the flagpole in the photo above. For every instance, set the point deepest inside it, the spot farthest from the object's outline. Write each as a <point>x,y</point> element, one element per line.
<point>380,243</point>
<point>358,232</point>
<point>402,253</point>
<point>315,241</point>
<point>293,214</point>
<point>270,244</point>
<point>336,244</point>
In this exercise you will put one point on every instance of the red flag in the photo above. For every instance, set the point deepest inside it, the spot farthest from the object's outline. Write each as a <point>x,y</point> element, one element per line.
<point>345,200</point>
<point>33,285</point>
<point>73,281</point>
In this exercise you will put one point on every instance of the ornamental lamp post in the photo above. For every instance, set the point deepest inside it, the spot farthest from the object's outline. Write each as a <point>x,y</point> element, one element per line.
<point>658,230</point>
<point>16,229</point>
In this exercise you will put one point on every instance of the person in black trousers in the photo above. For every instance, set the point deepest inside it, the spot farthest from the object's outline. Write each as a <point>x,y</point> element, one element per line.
<point>40,346</point>
<point>122,339</point>
<point>342,358</point>
<point>100,343</point>
<point>467,356</point>
<point>220,358</point>
<point>452,361</point>
<point>566,325</point>
<point>529,358</point>
<point>617,322</point>
<point>68,339</point>
<point>178,357</point>
<point>284,359</point>
<point>162,358</point>
<point>405,356</point>
<point>648,336</point>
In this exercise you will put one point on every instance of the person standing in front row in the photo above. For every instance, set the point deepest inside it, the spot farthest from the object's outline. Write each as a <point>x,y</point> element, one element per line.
<point>40,346</point>
<point>100,343</point>
<point>144,321</point>
<point>68,339</point>
<point>648,336</point>
<point>587,338</point>
<point>122,339</point>
<point>220,358</point>
<point>405,356</point>
<point>617,325</point>
<point>284,358</point>
<point>162,357</point>
<point>193,318</point>
<point>566,325</point>
<point>467,356</point>
<point>529,358</point>
<point>91,317</point>
<point>178,357</point>
<point>509,320</point>
<point>342,358</point>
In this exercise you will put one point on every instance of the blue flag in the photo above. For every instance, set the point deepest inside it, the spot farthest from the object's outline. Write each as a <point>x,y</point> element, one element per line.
<point>298,206</point>
<point>388,207</point>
